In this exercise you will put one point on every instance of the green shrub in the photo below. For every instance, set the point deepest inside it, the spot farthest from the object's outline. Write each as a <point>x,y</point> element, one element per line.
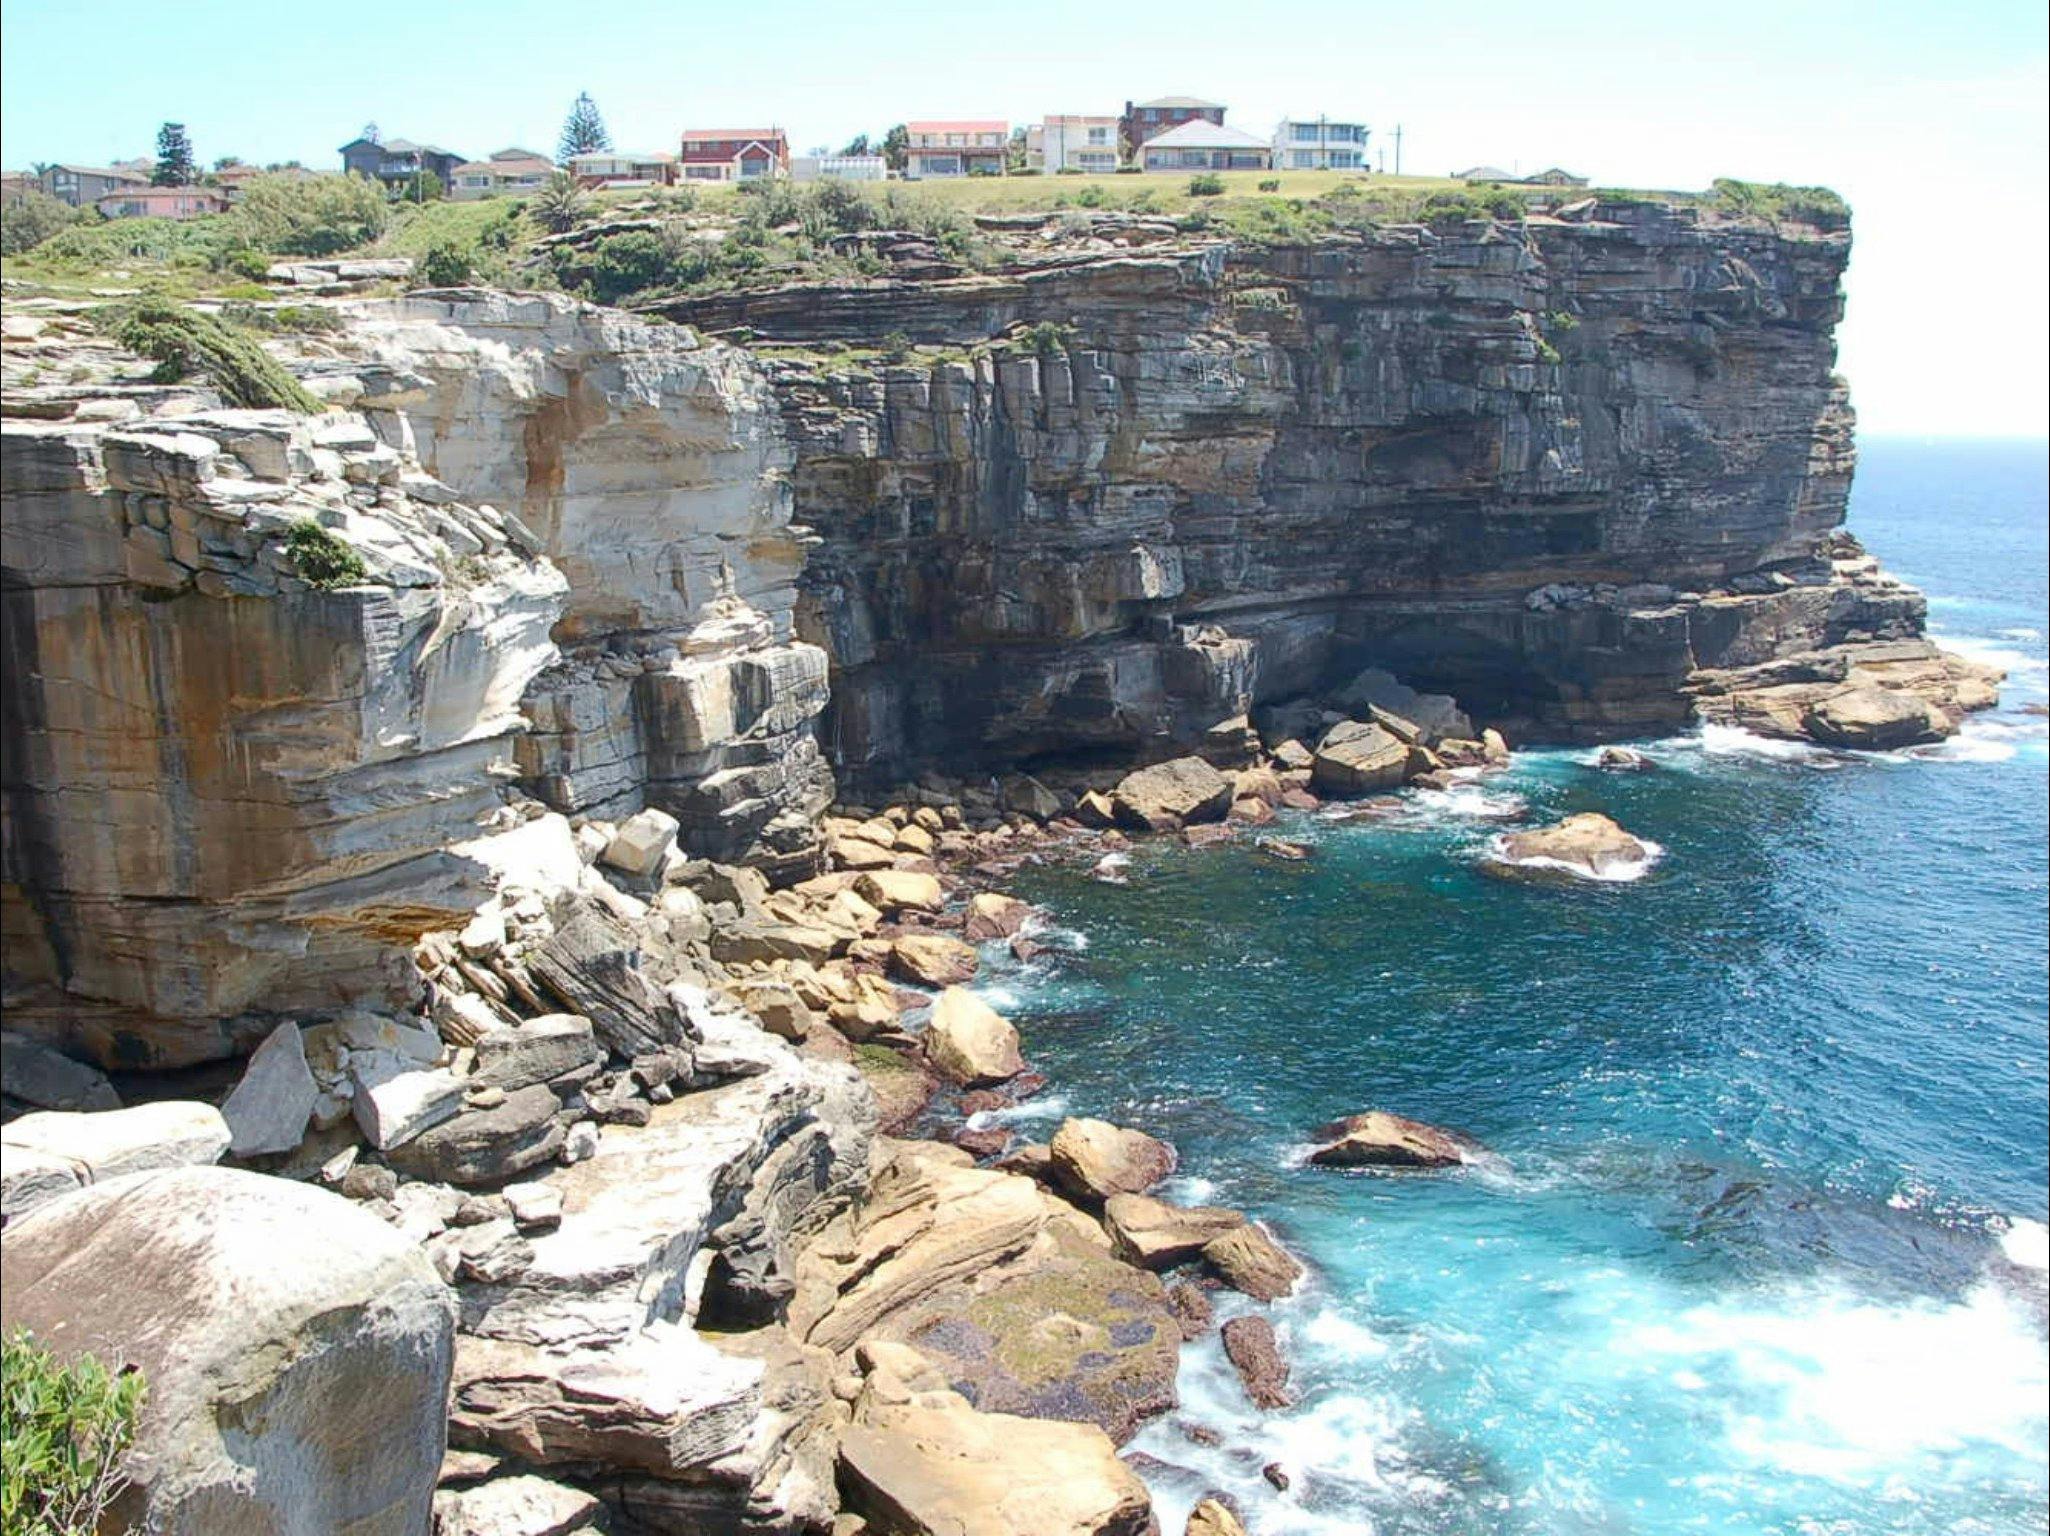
<point>323,560</point>
<point>1207,184</point>
<point>1130,170</point>
<point>63,1431</point>
<point>1561,320</point>
<point>254,291</point>
<point>1271,184</point>
<point>26,224</point>
<point>446,265</point>
<point>1069,170</point>
<point>1547,353</point>
<point>183,342</point>
<point>560,205</point>
<point>310,215</point>
<point>1092,196</point>
<point>624,264</point>
<point>247,262</point>
<point>1777,201</point>
<point>1048,338</point>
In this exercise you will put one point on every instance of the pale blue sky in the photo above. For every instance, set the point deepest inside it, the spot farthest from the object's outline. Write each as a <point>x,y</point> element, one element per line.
<point>1931,119</point>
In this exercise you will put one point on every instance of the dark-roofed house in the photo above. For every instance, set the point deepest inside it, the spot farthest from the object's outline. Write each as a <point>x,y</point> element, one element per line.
<point>395,162</point>
<point>1150,119</point>
<point>84,185</point>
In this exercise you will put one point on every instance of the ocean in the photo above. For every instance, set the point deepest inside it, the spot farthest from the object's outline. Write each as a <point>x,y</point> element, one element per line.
<point>1759,1241</point>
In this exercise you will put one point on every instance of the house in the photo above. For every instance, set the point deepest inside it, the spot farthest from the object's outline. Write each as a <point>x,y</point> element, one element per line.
<point>964,147</point>
<point>395,162</point>
<point>84,185</point>
<point>504,173</point>
<point>1319,144</point>
<point>143,201</point>
<point>838,168</point>
<point>1150,119</point>
<point>1206,146</point>
<point>15,186</point>
<point>1078,142</point>
<point>1552,176</point>
<point>233,180</point>
<point>734,154</point>
<point>615,170</point>
<point>1482,173</point>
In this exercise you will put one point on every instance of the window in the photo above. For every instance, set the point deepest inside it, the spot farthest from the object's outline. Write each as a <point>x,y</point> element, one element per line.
<point>1149,115</point>
<point>1099,135</point>
<point>1303,159</point>
<point>1306,133</point>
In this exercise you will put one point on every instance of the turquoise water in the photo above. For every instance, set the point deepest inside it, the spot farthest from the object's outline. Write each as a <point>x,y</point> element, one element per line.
<point>1759,1244</point>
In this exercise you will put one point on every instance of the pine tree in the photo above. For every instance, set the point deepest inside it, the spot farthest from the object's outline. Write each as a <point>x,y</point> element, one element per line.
<point>175,166</point>
<point>858,145</point>
<point>583,131</point>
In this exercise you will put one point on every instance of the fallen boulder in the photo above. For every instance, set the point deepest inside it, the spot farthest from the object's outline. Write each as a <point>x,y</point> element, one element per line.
<point>993,916</point>
<point>933,959</point>
<point>52,1152</point>
<point>1093,1160</point>
<point>970,1042</point>
<point>521,1505</point>
<point>295,1348</point>
<point>1248,1260</point>
<point>1435,715</point>
<point>272,1104</point>
<point>1213,1517</point>
<point>482,1145</point>
<point>1168,795</point>
<point>1358,757</point>
<point>1155,1235</point>
<point>44,1078</point>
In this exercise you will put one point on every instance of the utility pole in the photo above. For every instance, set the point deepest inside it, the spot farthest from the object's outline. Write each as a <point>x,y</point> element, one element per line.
<point>1398,149</point>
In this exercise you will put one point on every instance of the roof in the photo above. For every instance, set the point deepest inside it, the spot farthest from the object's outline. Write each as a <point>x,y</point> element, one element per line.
<point>1182,103</point>
<point>506,167</point>
<point>402,147</point>
<point>960,125</point>
<point>187,190</point>
<point>514,152</point>
<point>766,135</point>
<point>631,156</point>
<point>1207,136</point>
<point>1081,117</point>
<point>1482,173</point>
<point>115,172</point>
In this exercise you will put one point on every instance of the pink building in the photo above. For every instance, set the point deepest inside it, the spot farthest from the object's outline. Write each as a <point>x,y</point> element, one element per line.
<point>143,202</point>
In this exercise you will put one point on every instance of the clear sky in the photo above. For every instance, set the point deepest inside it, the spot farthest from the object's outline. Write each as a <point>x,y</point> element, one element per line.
<point>1930,118</point>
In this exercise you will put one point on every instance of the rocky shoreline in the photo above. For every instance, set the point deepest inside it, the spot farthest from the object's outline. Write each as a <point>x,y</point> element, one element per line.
<point>521,839</point>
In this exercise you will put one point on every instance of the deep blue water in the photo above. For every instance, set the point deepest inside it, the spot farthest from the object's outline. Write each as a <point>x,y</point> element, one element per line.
<point>1767,1125</point>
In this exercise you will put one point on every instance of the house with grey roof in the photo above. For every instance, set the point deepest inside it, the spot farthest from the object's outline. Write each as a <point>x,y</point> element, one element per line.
<point>395,162</point>
<point>1206,146</point>
<point>1147,120</point>
<point>82,186</point>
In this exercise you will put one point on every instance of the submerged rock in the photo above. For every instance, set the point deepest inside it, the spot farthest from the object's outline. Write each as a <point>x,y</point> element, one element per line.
<point>1380,1140</point>
<point>1621,759</point>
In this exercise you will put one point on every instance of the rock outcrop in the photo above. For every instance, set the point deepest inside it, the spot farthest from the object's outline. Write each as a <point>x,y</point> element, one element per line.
<point>296,1350</point>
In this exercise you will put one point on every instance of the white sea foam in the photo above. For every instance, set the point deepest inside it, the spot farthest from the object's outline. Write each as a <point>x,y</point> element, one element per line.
<point>1052,1106</point>
<point>1735,741</point>
<point>1112,869</point>
<point>1470,801</point>
<point>1822,1383</point>
<point>2026,1244</point>
<point>2021,632</point>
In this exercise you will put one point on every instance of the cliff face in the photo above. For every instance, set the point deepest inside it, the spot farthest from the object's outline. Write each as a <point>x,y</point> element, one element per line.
<point>1244,474</point>
<point>1576,472</point>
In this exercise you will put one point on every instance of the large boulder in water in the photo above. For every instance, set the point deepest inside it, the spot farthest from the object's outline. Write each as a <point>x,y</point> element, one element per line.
<point>1172,794</point>
<point>1875,719</point>
<point>1357,757</point>
<point>1380,1140</point>
<point>296,1349</point>
<point>970,1042</point>
<point>1589,845</point>
<point>1093,1160</point>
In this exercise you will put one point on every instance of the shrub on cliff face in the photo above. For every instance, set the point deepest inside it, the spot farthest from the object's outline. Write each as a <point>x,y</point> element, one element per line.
<point>446,265</point>
<point>560,205</point>
<point>184,342</point>
<point>323,560</point>
<point>311,215</point>
<point>63,1431</point>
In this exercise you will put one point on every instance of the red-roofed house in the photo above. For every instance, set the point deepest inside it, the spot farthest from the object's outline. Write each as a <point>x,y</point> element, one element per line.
<point>971,147</point>
<point>734,154</point>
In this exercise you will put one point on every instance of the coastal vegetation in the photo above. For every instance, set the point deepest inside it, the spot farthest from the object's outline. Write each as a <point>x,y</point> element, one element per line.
<point>183,342</point>
<point>66,1427</point>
